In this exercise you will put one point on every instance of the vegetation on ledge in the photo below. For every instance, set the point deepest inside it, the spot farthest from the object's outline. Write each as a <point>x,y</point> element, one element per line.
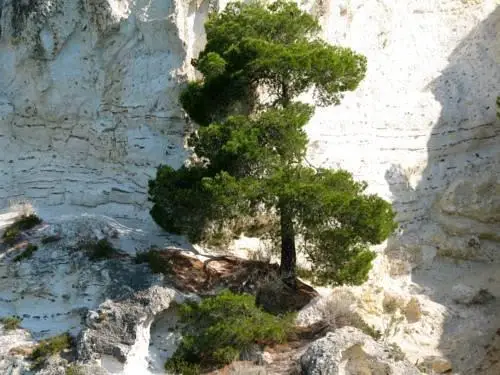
<point>13,231</point>
<point>217,330</point>
<point>49,347</point>
<point>11,323</point>
<point>27,253</point>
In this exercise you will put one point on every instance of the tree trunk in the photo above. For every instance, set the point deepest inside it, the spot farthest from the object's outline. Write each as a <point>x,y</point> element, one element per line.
<point>288,252</point>
<point>288,255</point>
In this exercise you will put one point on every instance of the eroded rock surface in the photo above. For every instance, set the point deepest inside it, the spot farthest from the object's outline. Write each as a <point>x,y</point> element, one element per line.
<point>88,101</point>
<point>10,363</point>
<point>348,351</point>
<point>109,304</point>
<point>119,331</point>
<point>89,107</point>
<point>89,98</point>
<point>52,290</point>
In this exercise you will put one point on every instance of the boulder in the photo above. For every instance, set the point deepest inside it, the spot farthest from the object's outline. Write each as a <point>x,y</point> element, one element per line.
<point>436,365</point>
<point>348,351</point>
<point>114,328</point>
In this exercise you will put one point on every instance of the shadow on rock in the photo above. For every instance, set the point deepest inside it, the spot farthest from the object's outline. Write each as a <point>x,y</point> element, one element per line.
<point>448,238</point>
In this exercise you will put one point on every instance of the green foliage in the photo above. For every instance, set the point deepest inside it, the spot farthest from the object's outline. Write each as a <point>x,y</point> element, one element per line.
<point>178,366</point>
<point>275,46</point>
<point>245,146</point>
<point>250,152</point>
<point>396,353</point>
<point>212,65</point>
<point>305,273</point>
<point>49,347</point>
<point>13,231</point>
<point>98,250</point>
<point>27,253</point>
<point>358,322</point>
<point>11,323</point>
<point>11,235</point>
<point>218,329</point>
<point>142,257</point>
<point>74,370</point>
<point>182,204</point>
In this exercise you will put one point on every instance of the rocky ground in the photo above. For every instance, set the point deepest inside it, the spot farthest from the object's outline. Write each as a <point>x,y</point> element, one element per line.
<point>123,316</point>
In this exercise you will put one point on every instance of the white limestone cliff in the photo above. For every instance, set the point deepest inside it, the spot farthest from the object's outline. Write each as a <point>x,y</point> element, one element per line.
<point>89,98</point>
<point>89,107</point>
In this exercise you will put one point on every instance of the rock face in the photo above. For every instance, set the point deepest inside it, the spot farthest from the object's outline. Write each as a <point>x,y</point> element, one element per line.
<point>89,107</point>
<point>9,363</point>
<point>118,334</point>
<point>53,288</point>
<point>348,351</point>
<point>89,98</point>
<point>113,329</point>
<point>119,310</point>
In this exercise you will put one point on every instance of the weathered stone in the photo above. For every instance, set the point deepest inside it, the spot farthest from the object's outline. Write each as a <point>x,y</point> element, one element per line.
<point>265,358</point>
<point>438,365</point>
<point>53,366</point>
<point>116,331</point>
<point>477,198</point>
<point>348,351</point>
<point>13,347</point>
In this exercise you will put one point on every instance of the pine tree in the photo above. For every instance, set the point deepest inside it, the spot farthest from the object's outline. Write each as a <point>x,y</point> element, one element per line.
<point>251,144</point>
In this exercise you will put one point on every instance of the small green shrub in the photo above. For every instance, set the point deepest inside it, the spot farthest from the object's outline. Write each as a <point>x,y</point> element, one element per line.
<point>10,323</point>
<point>74,370</point>
<point>142,257</point>
<point>396,353</point>
<point>359,323</point>
<point>390,304</point>
<point>218,329</point>
<point>422,367</point>
<point>25,222</point>
<point>27,253</point>
<point>10,235</point>
<point>179,366</point>
<point>98,250</point>
<point>49,347</point>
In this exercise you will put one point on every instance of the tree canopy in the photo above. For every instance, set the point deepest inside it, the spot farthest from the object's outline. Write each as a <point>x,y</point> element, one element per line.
<point>275,48</point>
<point>251,144</point>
